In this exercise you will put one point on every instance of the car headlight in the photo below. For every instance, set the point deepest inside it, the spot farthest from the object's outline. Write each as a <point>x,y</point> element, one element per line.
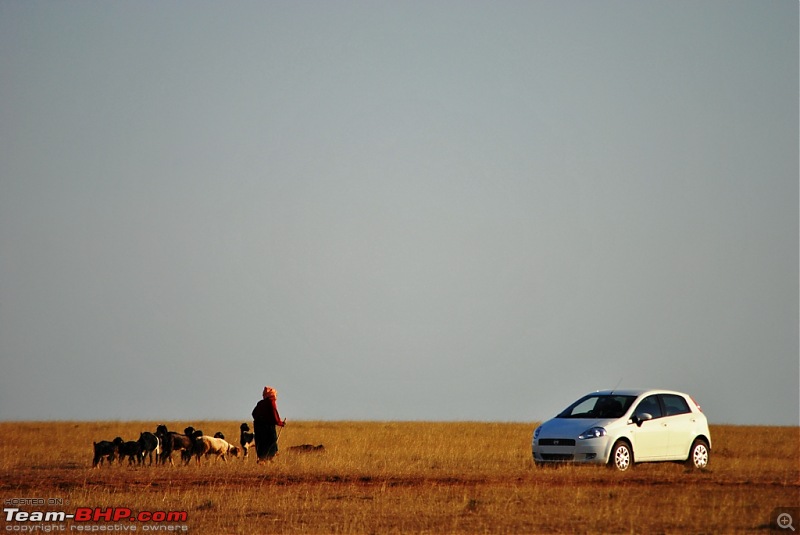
<point>594,432</point>
<point>536,432</point>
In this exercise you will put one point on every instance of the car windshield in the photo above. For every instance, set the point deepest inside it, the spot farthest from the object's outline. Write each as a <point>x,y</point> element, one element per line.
<point>598,406</point>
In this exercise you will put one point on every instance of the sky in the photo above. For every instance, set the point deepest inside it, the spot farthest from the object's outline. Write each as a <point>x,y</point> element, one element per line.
<point>447,210</point>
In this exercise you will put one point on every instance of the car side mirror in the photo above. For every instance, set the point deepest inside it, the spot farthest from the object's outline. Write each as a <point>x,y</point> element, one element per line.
<point>641,418</point>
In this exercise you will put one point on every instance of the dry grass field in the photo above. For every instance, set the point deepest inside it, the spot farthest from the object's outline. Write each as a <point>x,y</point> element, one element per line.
<point>399,477</point>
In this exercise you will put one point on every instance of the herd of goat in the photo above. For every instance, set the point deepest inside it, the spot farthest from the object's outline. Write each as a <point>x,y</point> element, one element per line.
<point>163,443</point>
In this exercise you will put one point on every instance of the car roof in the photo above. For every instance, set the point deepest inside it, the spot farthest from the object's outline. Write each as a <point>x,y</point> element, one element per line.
<point>636,392</point>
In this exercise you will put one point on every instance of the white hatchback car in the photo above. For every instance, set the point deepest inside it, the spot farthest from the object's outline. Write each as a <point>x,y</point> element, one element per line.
<point>622,427</point>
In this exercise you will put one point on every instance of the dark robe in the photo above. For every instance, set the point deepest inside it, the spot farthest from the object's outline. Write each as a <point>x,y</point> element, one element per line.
<point>265,418</point>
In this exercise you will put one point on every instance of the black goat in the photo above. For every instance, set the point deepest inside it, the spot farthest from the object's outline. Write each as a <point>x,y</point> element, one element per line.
<point>104,450</point>
<point>131,449</point>
<point>172,441</point>
<point>307,448</point>
<point>149,444</point>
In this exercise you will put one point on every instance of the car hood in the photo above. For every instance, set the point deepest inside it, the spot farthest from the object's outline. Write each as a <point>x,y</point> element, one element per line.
<point>571,427</point>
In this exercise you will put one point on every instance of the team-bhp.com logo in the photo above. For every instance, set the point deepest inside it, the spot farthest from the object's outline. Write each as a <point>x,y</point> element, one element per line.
<point>94,519</point>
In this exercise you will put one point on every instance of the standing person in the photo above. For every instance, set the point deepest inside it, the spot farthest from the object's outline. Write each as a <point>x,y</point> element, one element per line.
<point>265,418</point>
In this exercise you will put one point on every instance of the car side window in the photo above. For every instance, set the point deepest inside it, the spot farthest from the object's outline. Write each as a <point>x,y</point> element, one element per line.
<point>651,406</point>
<point>674,404</point>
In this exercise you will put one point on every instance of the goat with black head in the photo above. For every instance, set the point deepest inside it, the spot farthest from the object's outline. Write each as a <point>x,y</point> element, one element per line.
<point>246,439</point>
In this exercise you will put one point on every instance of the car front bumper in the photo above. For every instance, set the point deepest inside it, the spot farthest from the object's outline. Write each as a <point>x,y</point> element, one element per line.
<point>593,450</point>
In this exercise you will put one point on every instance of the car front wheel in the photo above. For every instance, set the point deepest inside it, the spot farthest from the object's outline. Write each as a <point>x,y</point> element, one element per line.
<point>621,456</point>
<point>698,455</point>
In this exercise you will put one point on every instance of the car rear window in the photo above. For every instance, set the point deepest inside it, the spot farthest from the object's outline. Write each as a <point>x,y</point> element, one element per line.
<point>674,404</point>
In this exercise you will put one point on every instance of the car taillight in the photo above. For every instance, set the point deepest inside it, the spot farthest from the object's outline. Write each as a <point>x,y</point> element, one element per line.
<point>696,404</point>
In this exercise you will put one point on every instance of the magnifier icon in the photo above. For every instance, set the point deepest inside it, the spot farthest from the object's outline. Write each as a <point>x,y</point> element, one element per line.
<point>785,521</point>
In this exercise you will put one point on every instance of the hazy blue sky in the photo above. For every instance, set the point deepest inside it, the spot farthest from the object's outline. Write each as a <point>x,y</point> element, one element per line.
<point>397,210</point>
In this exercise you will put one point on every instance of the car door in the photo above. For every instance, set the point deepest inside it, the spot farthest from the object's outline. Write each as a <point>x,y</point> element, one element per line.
<point>649,438</point>
<point>680,424</point>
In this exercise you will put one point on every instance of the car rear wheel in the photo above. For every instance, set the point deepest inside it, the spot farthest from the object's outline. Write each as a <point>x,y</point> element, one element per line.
<point>698,455</point>
<point>621,456</point>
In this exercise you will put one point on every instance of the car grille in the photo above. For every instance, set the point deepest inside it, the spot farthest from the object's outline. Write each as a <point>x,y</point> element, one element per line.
<point>557,457</point>
<point>556,441</point>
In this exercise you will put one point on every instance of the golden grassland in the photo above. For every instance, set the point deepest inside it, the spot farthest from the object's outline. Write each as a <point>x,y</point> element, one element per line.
<point>406,477</point>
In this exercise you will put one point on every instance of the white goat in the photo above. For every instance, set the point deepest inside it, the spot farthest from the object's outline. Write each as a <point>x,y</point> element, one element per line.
<point>206,445</point>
